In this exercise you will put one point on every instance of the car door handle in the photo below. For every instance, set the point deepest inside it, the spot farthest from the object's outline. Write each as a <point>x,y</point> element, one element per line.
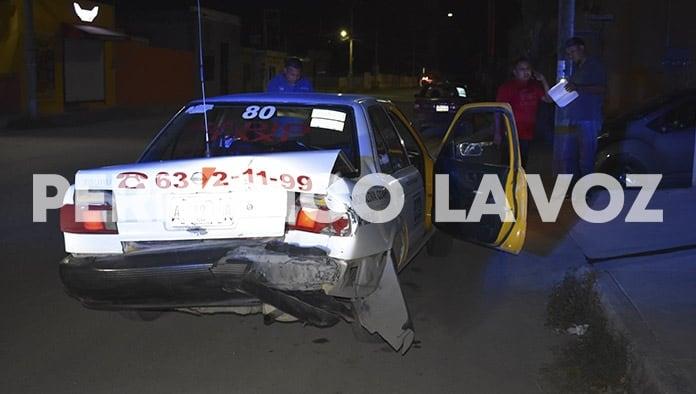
<point>473,149</point>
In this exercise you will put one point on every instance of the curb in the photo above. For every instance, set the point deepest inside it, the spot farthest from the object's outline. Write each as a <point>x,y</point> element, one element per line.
<point>651,371</point>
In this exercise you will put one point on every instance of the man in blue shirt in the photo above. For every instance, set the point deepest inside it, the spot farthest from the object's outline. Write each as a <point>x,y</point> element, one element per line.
<point>290,80</point>
<point>575,147</point>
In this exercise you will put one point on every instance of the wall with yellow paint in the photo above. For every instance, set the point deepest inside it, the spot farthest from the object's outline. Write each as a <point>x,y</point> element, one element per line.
<point>10,56</point>
<point>51,17</point>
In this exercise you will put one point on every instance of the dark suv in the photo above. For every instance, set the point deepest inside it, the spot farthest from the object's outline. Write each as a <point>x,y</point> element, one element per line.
<point>436,104</point>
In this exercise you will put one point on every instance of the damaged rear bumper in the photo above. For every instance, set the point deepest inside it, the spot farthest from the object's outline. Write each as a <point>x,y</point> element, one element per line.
<point>300,281</point>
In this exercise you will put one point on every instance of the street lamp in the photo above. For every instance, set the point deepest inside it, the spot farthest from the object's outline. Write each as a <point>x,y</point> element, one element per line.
<point>449,14</point>
<point>346,37</point>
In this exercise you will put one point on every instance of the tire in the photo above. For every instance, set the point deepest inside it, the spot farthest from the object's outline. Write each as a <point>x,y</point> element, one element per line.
<point>439,245</point>
<point>136,315</point>
<point>621,167</point>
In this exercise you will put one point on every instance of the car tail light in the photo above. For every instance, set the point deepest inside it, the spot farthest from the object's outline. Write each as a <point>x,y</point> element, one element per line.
<point>319,219</point>
<point>89,217</point>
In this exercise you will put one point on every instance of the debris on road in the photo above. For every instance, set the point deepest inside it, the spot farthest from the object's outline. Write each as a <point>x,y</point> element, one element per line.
<point>596,358</point>
<point>579,330</point>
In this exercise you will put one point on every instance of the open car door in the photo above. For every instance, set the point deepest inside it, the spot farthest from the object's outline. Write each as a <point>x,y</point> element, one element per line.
<point>481,145</point>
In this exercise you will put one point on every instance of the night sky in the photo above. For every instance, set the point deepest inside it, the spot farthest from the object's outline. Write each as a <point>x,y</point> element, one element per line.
<point>407,36</point>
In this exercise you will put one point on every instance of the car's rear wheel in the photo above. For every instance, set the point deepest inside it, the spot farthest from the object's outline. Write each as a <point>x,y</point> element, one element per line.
<point>141,315</point>
<point>439,245</point>
<point>621,167</point>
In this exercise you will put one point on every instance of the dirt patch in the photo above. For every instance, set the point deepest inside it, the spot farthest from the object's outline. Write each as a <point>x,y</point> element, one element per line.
<point>594,357</point>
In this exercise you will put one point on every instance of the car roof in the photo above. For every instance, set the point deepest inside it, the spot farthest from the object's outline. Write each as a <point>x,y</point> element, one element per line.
<point>447,84</point>
<point>289,98</point>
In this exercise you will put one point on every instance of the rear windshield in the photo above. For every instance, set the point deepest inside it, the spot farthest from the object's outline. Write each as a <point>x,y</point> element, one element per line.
<point>646,108</point>
<point>442,91</point>
<point>247,129</point>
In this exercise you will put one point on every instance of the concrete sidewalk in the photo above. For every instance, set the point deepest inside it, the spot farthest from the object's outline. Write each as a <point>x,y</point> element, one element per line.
<point>619,238</point>
<point>653,301</point>
<point>647,283</point>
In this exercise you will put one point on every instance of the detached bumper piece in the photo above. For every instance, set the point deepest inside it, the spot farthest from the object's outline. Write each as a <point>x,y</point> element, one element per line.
<point>384,311</point>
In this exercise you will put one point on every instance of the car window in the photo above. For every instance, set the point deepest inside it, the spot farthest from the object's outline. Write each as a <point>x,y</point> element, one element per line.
<point>244,129</point>
<point>461,91</point>
<point>683,117</point>
<point>474,138</point>
<point>433,92</point>
<point>413,150</point>
<point>442,91</point>
<point>404,132</point>
<point>452,92</point>
<point>646,108</point>
<point>390,152</point>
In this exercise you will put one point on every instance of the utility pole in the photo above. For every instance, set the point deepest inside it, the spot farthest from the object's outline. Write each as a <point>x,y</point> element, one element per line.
<point>30,59</point>
<point>491,29</point>
<point>489,63</point>
<point>375,67</point>
<point>413,40</point>
<point>566,30</point>
<point>350,44</point>
<point>345,36</point>
<point>264,34</point>
<point>693,170</point>
<point>350,60</point>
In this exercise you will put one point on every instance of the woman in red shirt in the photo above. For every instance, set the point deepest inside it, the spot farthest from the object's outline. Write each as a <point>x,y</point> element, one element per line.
<point>523,93</point>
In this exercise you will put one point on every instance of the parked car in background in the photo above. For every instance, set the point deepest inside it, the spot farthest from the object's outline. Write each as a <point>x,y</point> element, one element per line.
<point>656,137</point>
<point>436,104</point>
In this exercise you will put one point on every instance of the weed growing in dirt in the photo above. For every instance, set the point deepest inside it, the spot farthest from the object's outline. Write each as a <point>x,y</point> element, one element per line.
<point>595,362</point>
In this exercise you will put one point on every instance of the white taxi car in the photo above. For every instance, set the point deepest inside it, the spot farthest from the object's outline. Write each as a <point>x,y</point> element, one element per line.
<point>246,204</point>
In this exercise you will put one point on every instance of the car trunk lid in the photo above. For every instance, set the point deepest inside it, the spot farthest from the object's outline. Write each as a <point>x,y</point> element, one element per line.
<point>209,198</point>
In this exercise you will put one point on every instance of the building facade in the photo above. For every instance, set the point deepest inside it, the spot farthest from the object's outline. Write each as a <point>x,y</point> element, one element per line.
<point>647,46</point>
<point>73,52</point>
<point>176,28</point>
<point>89,55</point>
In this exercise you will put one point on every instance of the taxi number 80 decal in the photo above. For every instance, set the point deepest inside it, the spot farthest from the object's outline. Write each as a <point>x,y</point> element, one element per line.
<point>256,111</point>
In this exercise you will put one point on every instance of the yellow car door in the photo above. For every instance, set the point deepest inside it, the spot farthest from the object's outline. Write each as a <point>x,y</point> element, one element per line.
<point>479,160</point>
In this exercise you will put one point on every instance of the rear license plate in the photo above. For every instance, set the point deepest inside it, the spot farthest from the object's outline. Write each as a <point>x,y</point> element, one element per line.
<point>241,213</point>
<point>206,210</point>
<point>441,108</point>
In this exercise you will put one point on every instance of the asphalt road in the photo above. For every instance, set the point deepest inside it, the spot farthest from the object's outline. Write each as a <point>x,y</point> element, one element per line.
<point>478,314</point>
